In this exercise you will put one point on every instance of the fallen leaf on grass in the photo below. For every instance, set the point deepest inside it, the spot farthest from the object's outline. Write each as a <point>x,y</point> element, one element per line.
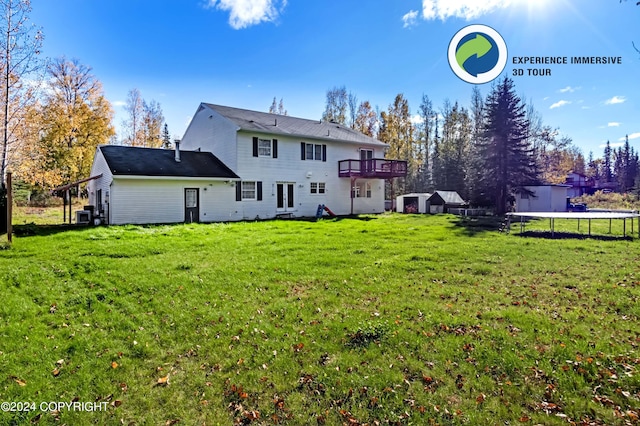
<point>55,372</point>
<point>163,381</point>
<point>114,365</point>
<point>20,382</point>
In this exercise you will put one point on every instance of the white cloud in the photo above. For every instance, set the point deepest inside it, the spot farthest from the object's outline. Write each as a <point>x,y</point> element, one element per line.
<point>119,103</point>
<point>410,18</point>
<point>416,119</point>
<point>632,136</point>
<point>467,9</point>
<point>612,145</point>
<point>615,100</point>
<point>569,89</point>
<point>559,104</point>
<point>244,13</point>
<point>613,124</point>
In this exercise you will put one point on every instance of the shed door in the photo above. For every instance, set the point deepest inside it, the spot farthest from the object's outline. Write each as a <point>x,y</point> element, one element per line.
<point>191,205</point>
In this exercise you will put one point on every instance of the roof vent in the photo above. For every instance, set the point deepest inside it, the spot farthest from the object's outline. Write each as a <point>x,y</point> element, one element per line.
<point>177,150</point>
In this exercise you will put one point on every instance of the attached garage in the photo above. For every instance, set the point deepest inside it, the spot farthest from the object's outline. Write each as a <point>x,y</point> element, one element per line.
<point>145,185</point>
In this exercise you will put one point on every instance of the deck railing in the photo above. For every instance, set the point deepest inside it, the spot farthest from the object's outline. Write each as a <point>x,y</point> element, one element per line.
<point>372,168</point>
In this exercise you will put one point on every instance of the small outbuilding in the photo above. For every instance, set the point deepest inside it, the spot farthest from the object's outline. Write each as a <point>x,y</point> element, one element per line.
<point>413,203</point>
<point>438,202</point>
<point>542,198</point>
<point>442,201</point>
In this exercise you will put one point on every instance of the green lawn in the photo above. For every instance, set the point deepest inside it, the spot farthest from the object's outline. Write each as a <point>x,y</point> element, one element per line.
<point>43,215</point>
<point>391,319</point>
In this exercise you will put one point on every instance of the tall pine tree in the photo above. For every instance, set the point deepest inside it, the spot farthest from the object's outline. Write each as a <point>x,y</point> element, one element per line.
<point>508,157</point>
<point>606,164</point>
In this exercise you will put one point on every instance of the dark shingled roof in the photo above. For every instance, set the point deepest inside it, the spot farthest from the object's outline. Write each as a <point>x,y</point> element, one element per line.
<point>135,161</point>
<point>449,197</point>
<point>256,121</point>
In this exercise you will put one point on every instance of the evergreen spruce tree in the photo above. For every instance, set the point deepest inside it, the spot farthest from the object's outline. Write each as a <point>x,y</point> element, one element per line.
<point>606,164</point>
<point>508,158</point>
<point>166,137</point>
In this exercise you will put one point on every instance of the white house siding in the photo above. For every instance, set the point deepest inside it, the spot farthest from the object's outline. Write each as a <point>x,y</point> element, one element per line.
<point>422,202</point>
<point>545,199</point>
<point>211,132</point>
<point>289,168</point>
<point>140,201</point>
<point>98,167</point>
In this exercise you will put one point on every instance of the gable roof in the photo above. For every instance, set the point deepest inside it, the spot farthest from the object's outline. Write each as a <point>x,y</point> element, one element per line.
<point>449,197</point>
<point>137,161</point>
<point>264,122</point>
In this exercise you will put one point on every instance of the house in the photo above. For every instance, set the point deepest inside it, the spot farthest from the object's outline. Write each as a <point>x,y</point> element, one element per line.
<point>579,184</point>
<point>295,163</point>
<point>442,201</point>
<point>145,185</point>
<point>542,198</point>
<point>236,164</point>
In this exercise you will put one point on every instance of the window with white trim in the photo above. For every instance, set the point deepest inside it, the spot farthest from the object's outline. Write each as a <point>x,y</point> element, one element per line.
<point>361,190</point>
<point>366,154</point>
<point>249,190</point>
<point>264,147</point>
<point>318,187</point>
<point>310,151</point>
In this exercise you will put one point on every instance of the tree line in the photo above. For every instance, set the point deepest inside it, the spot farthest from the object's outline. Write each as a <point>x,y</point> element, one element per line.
<point>485,151</point>
<point>54,112</point>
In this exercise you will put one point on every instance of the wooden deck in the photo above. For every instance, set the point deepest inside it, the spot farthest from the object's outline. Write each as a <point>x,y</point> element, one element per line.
<point>379,168</point>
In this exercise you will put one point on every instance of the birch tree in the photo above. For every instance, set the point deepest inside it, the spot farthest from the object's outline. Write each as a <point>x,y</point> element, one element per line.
<point>336,105</point>
<point>20,45</point>
<point>134,135</point>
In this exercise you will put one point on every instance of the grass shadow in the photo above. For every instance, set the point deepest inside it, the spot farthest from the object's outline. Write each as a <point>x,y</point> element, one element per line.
<point>572,236</point>
<point>471,226</point>
<point>33,230</point>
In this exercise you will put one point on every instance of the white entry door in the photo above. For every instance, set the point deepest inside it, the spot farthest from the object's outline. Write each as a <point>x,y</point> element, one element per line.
<point>285,196</point>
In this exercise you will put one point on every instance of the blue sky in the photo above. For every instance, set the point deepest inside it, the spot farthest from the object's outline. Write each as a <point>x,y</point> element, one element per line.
<point>243,53</point>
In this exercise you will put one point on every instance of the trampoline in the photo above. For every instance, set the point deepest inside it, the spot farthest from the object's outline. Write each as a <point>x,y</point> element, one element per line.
<point>588,216</point>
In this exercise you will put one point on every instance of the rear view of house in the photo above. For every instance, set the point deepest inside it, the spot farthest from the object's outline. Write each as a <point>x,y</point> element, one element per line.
<point>289,166</point>
<point>235,164</point>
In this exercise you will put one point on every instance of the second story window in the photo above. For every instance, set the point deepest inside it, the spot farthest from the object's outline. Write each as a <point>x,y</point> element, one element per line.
<point>265,147</point>
<point>310,151</point>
